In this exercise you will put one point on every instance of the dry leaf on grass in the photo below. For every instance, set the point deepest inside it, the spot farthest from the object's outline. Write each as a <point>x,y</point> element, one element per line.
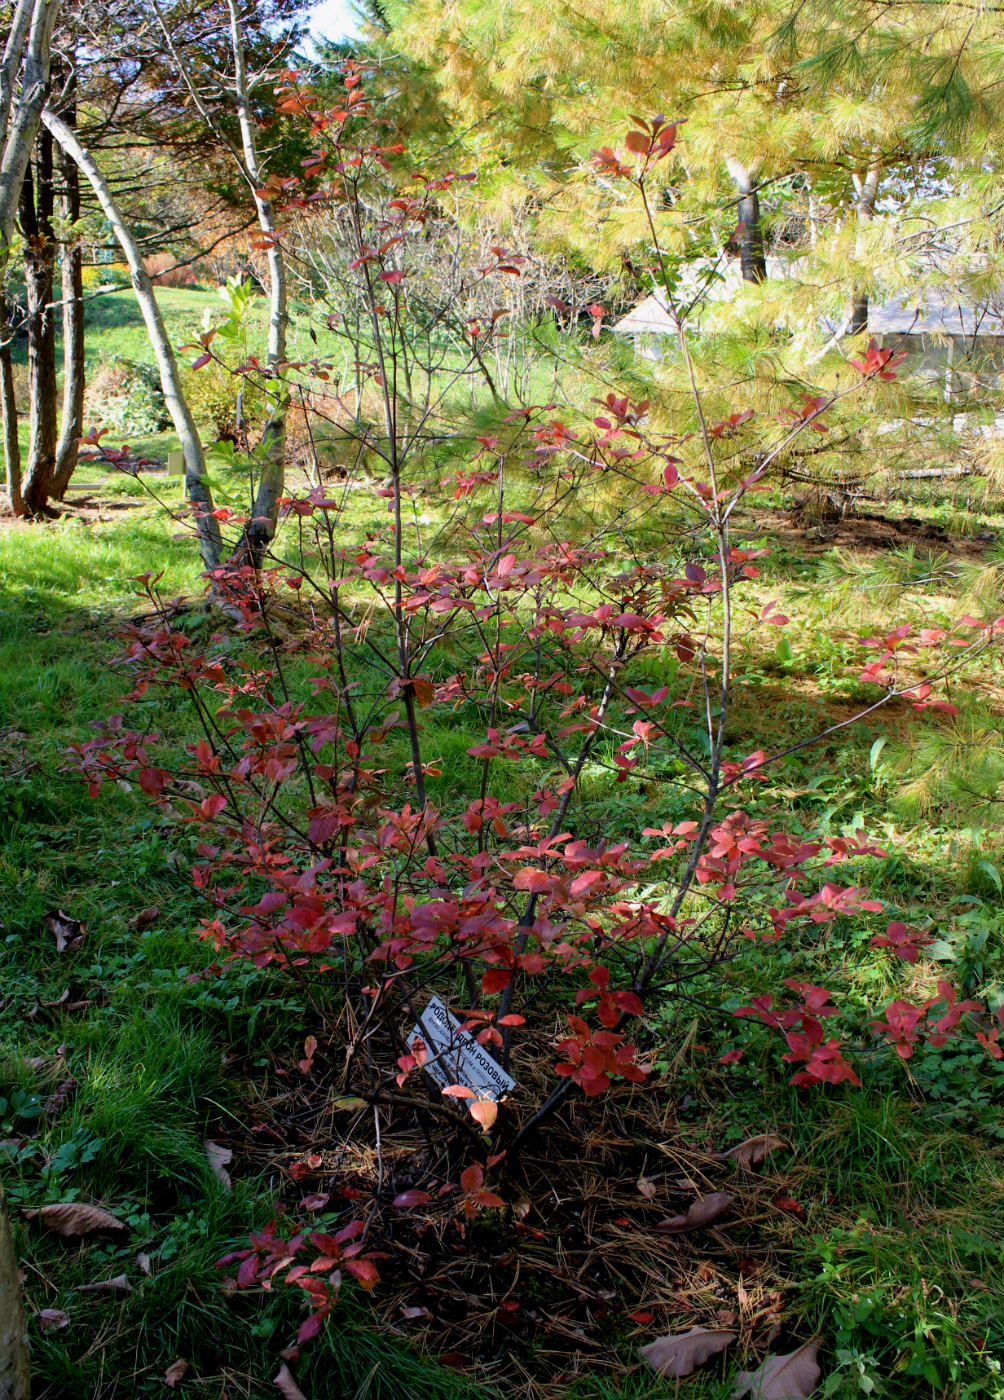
<point>118,1284</point>
<point>71,1218</point>
<point>52,1319</point>
<point>700,1212</point>
<point>219,1159</point>
<point>680,1353</point>
<point>68,933</point>
<point>144,1265</point>
<point>59,1098</point>
<point>791,1377</point>
<point>286,1385</point>
<point>174,1373</point>
<point>145,917</point>
<point>747,1154</point>
<point>647,1187</point>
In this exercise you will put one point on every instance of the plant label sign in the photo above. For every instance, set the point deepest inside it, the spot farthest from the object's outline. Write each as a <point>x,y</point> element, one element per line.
<point>455,1057</point>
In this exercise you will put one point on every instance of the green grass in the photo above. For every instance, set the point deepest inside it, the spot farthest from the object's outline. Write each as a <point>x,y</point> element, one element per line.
<point>113,324</point>
<point>897,1257</point>
<point>150,1050</point>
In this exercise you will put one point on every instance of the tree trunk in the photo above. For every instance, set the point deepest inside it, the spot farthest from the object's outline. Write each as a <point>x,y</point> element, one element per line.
<point>866,189</point>
<point>751,251</point>
<point>19,135</point>
<point>14,1369</point>
<point>8,412</point>
<point>72,279</point>
<point>260,529</point>
<point>39,261</point>
<point>18,128</point>
<point>197,486</point>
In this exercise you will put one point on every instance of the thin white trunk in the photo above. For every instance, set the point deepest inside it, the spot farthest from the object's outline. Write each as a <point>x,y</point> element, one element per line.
<point>210,544</point>
<point>270,485</point>
<point>21,132</point>
<point>12,62</point>
<point>265,510</point>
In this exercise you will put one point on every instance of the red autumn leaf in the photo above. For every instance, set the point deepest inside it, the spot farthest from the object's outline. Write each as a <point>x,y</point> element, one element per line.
<point>495,979</point>
<point>407,1199</point>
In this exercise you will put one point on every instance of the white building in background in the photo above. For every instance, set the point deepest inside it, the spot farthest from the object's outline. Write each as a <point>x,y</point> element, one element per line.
<point>948,339</point>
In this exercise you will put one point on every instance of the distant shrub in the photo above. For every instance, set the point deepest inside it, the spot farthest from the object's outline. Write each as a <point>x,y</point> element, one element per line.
<point>166,271</point>
<point>127,398</point>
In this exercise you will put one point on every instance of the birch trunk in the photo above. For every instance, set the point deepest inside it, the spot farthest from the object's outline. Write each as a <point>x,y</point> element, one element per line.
<point>11,63</point>
<point>19,134</point>
<point>261,528</point>
<point>210,543</point>
<point>72,280</point>
<point>33,19</point>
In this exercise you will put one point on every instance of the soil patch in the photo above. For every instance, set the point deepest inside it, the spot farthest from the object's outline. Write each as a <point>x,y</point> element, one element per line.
<point>861,531</point>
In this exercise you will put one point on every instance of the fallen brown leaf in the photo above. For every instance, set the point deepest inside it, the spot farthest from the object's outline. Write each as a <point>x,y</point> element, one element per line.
<point>700,1212</point>
<point>68,932</point>
<point>647,1187</point>
<point>791,1377</point>
<point>174,1373</point>
<point>680,1353</point>
<point>52,1319</point>
<point>143,1264</point>
<point>59,1098</point>
<point>747,1154</point>
<point>71,1218</point>
<point>286,1385</point>
<point>118,1284</point>
<point>145,917</point>
<point>219,1159</point>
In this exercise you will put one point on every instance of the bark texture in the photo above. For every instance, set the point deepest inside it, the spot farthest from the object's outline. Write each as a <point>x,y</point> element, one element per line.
<point>19,122</point>
<point>32,20</point>
<point>264,515</point>
<point>72,279</point>
<point>8,414</point>
<point>37,206</point>
<point>866,190</point>
<point>210,543</point>
<point>751,250</point>
<point>14,1367</point>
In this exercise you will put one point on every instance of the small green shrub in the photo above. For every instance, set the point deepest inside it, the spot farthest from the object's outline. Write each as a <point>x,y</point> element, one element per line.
<point>126,397</point>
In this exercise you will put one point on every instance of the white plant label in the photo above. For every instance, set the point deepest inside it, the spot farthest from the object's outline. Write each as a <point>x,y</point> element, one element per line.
<point>455,1057</point>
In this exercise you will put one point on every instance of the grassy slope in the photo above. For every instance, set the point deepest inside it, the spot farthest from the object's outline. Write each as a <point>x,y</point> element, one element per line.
<point>897,1254</point>
<point>114,326</point>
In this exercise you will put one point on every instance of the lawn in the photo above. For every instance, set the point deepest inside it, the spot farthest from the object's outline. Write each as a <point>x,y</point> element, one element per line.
<point>876,1227</point>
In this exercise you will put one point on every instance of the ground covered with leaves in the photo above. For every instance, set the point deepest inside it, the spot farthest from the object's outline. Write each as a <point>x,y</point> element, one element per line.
<point>865,1220</point>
